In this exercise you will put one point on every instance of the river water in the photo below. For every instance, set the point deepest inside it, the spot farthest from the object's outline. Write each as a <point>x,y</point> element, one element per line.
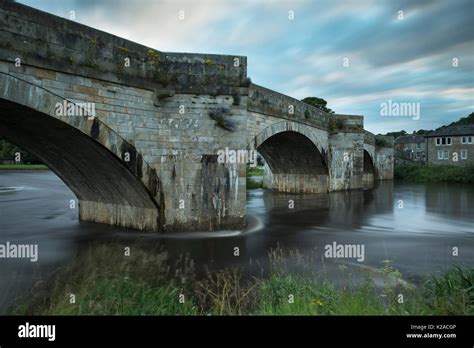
<point>414,225</point>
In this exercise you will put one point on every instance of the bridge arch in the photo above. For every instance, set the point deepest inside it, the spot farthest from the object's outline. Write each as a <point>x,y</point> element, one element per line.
<point>295,156</point>
<point>108,175</point>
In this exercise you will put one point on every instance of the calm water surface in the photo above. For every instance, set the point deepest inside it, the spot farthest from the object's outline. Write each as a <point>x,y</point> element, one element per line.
<point>414,225</point>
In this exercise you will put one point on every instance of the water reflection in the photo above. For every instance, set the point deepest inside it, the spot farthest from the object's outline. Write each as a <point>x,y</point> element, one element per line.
<point>415,225</point>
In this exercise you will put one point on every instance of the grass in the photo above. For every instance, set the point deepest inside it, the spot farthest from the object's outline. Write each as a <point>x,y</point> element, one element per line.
<point>430,173</point>
<point>253,184</point>
<point>254,171</point>
<point>23,166</point>
<point>105,282</point>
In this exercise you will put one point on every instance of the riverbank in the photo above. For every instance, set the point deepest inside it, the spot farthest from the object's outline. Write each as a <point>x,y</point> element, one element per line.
<point>429,173</point>
<point>105,281</point>
<point>23,167</point>
<point>254,178</point>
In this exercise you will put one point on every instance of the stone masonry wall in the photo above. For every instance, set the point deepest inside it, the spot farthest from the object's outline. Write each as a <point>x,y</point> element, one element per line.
<point>346,158</point>
<point>47,41</point>
<point>178,139</point>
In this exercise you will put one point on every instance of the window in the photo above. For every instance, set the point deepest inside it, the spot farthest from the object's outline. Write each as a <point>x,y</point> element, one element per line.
<point>466,140</point>
<point>443,155</point>
<point>463,154</point>
<point>443,141</point>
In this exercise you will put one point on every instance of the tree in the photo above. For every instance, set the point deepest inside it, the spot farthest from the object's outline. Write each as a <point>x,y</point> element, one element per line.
<point>396,134</point>
<point>421,132</point>
<point>319,103</point>
<point>464,120</point>
<point>8,152</point>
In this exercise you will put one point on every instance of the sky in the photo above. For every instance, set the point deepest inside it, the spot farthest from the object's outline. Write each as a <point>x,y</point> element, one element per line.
<point>359,55</point>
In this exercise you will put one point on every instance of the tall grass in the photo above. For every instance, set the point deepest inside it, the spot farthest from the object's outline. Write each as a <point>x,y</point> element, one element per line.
<point>442,173</point>
<point>105,282</point>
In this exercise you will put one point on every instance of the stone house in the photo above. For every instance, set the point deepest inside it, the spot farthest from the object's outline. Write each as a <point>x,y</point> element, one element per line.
<point>452,145</point>
<point>410,148</point>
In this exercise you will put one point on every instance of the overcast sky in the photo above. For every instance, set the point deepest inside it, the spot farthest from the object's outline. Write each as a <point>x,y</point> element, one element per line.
<point>407,60</point>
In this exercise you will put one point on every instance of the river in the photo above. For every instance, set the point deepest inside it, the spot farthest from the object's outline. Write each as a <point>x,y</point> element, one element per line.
<point>414,225</point>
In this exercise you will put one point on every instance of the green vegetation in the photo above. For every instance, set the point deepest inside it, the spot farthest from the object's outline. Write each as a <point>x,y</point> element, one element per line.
<point>254,171</point>
<point>246,82</point>
<point>236,99</point>
<point>462,121</point>
<point>336,124</point>
<point>431,173</point>
<point>402,133</point>
<point>319,103</point>
<point>380,142</point>
<point>106,282</point>
<point>23,166</point>
<point>9,151</point>
<point>253,184</point>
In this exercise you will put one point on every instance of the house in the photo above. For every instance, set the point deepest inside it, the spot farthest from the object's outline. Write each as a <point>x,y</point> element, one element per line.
<point>452,145</point>
<point>410,148</point>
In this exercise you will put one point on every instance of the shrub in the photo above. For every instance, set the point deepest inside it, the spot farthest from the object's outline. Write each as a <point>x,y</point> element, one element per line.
<point>219,115</point>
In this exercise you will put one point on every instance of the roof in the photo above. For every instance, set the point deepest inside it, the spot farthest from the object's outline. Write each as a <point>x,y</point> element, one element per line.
<point>458,129</point>
<point>407,139</point>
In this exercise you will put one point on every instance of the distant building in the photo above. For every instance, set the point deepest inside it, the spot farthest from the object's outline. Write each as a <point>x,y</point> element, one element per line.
<point>410,148</point>
<point>451,145</point>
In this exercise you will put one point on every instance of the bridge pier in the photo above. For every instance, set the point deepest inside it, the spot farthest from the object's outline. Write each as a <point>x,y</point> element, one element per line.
<point>346,160</point>
<point>147,158</point>
<point>141,218</point>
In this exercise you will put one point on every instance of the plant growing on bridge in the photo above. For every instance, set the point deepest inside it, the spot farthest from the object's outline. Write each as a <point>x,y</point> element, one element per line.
<point>219,115</point>
<point>246,82</point>
<point>336,124</point>
<point>153,57</point>
<point>236,99</point>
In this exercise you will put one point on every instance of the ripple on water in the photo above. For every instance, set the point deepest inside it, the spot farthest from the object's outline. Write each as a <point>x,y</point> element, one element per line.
<point>10,189</point>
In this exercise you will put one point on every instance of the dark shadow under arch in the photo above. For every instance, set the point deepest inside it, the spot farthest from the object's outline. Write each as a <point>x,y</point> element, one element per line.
<point>368,177</point>
<point>296,163</point>
<point>108,190</point>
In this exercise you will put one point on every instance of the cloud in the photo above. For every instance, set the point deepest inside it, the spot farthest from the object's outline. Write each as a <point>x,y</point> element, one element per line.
<point>408,59</point>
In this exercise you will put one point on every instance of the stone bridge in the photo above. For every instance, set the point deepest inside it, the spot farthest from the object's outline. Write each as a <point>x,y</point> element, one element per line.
<point>135,132</point>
